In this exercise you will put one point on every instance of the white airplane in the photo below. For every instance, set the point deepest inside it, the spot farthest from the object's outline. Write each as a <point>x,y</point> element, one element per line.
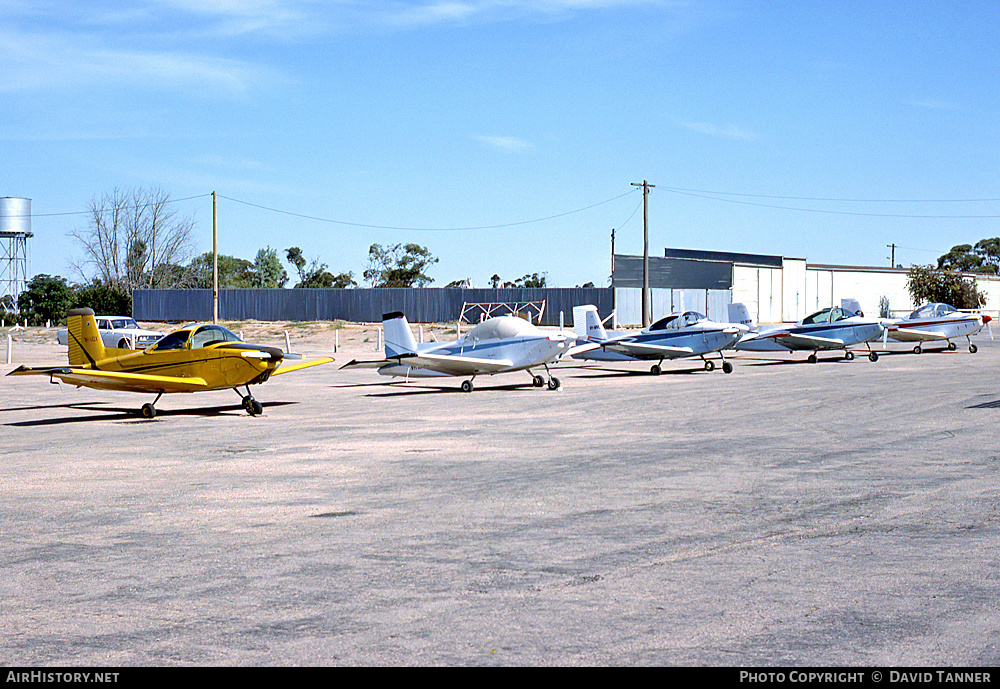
<point>497,345</point>
<point>675,336</point>
<point>938,322</point>
<point>832,328</point>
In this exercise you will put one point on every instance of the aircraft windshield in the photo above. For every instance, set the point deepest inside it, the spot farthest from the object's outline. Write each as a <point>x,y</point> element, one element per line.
<point>212,334</point>
<point>175,340</point>
<point>933,311</point>
<point>664,323</point>
<point>501,328</point>
<point>826,316</point>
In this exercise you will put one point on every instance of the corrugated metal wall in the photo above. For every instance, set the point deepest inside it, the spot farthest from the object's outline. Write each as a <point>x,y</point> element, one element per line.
<point>423,305</point>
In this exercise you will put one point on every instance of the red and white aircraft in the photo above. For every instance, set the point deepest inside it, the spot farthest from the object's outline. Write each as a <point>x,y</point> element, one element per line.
<point>938,322</point>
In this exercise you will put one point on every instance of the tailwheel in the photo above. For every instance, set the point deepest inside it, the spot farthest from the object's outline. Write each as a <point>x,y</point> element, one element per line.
<point>553,383</point>
<point>727,367</point>
<point>148,411</point>
<point>466,386</point>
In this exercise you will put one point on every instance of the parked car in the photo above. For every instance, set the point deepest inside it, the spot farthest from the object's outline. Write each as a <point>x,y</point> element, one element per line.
<point>119,332</point>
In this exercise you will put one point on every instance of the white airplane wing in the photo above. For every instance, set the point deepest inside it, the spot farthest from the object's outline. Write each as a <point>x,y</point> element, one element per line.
<point>442,363</point>
<point>800,341</point>
<point>914,334</point>
<point>639,349</point>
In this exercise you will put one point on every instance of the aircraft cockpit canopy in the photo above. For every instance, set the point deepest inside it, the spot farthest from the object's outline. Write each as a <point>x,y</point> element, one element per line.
<point>827,316</point>
<point>501,328</point>
<point>933,311</point>
<point>197,336</point>
<point>675,321</point>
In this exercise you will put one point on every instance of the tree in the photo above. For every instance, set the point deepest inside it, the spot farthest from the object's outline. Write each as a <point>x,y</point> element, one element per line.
<point>316,275</point>
<point>926,284</point>
<point>530,280</point>
<point>267,270</point>
<point>45,298</point>
<point>983,258</point>
<point>233,272</point>
<point>401,265</point>
<point>135,240</point>
<point>102,299</point>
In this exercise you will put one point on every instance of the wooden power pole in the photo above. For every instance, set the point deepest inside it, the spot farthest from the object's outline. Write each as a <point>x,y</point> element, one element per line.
<point>646,186</point>
<point>215,259</point>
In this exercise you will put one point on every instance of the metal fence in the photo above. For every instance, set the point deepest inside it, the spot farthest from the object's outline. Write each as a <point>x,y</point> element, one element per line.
<point>421,305</point>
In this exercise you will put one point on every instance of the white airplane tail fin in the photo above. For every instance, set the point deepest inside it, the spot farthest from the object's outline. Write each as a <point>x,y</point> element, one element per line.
<point>587,323</point>
<point>398,336</point>
<point>738,313</point>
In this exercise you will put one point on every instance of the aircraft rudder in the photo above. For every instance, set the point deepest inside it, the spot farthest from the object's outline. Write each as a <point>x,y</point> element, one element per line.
<point>85,345</point>
<point>738,313</point>
<point>587,323</point>
<point>398,336</point>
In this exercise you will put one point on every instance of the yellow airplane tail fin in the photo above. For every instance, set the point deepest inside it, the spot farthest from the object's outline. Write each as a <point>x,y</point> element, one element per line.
<point>85,345</point>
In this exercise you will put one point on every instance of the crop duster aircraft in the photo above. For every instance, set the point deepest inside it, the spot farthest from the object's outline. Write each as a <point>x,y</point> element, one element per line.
<point>496,345</point>
<point>939,322</point>
<point>195,358</point>
<point>832,328</point>
<point>677,335</point>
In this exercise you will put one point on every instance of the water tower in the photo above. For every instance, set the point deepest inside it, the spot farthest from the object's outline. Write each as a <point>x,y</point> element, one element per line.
<point>15,231</point>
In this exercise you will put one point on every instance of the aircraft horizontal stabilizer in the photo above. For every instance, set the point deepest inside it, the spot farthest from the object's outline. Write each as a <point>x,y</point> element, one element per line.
<point>302,364</point>
<point>799,341</point>
<point>639,349</point>
<point>377,363</point>
<point>456,365</point>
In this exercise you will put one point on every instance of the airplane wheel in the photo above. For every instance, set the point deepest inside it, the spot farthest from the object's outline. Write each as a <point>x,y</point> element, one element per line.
<point>812,359</point>
<point>918,349</point>
<point>258,408</point>
<point>252,406</point>
<point>553,383</point>
<point>537,381</point>
<point>848,356</point>
<point>709,365</point>
<point>727,367</point>
<point>973,349</point>
<point>872,356</point>
<point>466,386</point>
<point>951,347</point>
<point>655,369</point>
<point>148,411</point>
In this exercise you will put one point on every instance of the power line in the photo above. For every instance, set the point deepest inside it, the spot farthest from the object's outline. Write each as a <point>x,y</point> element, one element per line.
<point>99,210</point>
<point>425,229</point>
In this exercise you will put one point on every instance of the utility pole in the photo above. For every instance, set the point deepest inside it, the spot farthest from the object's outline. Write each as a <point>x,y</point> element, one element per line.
<point>646,186</point>
<point>215,259</point>
<point>614,304</point>
<point>892,257</point>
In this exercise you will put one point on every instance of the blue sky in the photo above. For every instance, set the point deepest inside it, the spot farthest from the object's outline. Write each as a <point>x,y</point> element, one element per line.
<point>505,135</point>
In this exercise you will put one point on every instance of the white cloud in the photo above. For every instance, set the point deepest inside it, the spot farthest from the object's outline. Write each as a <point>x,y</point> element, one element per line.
<point>728,132</point>
<point>505,143</point>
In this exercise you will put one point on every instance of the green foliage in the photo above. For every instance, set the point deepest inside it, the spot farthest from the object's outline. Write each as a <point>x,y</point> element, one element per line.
<point>233,272</point>
<point>984,257</point>
<point>46,298</point>
<point>400,265</point>
<point>927,285</point>
<point>316,275</point>
<point>102,299</point>
<point>530,280</point>
<point>267,270</point>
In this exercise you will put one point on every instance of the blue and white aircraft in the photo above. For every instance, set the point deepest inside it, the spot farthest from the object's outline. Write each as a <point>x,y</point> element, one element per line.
<point>832,328</point>
<point>677,335</point>
<point>497,345</point>
<point>939,322</point>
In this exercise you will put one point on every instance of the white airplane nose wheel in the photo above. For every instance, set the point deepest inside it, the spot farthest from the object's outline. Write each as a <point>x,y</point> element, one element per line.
<point>973,349</point>
<point>466,386</point>
<point>872,356</point>
<point>727,367</point>
<point>553,383</point>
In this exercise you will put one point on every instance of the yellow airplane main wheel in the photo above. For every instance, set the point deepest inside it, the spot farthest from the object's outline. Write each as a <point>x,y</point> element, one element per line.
<point>148,411</point>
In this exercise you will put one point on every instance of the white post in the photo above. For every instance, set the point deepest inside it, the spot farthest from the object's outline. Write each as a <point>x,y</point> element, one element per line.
<point>560,320</point>
<point>420,334</point>
<point>614,319</point>
<point>336,340</point>
<point>378,341</point>
<point>10,345</point>
<point>288,347</point>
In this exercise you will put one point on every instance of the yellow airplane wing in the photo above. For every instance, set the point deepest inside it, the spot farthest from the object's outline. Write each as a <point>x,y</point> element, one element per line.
<point>114,380</point>
<point>302,364</point>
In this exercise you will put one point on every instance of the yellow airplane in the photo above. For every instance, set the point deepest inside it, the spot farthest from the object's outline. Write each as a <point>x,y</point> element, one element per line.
<point>200,356</point>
